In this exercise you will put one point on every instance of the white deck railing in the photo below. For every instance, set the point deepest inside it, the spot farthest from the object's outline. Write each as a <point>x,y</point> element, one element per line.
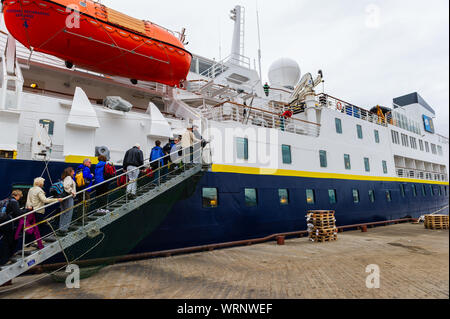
<point>235,112</point>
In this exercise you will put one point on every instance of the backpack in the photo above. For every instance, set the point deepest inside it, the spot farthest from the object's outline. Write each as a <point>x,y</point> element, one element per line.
<point>57,190</point>
<point>79,179</point>
<point>109,171</point>
<point>3,205</point>
<point>149,172</point>
<point>122,180</point>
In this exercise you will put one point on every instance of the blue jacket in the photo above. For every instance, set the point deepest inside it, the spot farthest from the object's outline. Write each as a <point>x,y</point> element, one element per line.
<point>157,153</point>
<point>87,175</point>
<point>99,172</point>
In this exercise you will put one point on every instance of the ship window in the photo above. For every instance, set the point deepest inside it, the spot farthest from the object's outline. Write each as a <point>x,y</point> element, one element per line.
<point>405,141</point>
<point>424,191</point>
<point>414,190</point>
<point>49,124</point>
<point>242,148</point>
<point>332,196</point>
<point>367,164</point>
<point>402,190</point>
<point>421,145</point>
<point>445,190</point>
<point>372,195</point>
<point>338,126</point>
<point>427,147</point>
<point>359,131</point>
<point>385,168</point>
<point>439,148</point>
<point>355,196</point>
<point>433,149</point>
<point>284,196</point>
<point>310,198</point>
<point>210,198</point>
<point>440,190</point>
<point>251,198</point>
<point>413,142</point>
<point>347,162</point>
<point>287,155</point>
<point>377,136</point>
<point>323,159</point>
<point>388,196</point>
<point>395,137</point>
<point>431,190</point>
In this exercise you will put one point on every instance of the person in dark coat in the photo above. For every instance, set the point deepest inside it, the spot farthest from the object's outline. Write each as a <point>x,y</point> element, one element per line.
<point>8,242</point>
<point>134,158</point>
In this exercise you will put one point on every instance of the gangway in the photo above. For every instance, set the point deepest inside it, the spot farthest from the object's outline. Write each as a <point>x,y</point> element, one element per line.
<point>92,222</point>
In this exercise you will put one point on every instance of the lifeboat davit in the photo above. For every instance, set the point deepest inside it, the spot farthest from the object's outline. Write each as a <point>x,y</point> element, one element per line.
<point>92,36</point>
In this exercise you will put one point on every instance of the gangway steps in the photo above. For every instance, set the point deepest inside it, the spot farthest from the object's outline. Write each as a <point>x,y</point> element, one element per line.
<point>95,222</point>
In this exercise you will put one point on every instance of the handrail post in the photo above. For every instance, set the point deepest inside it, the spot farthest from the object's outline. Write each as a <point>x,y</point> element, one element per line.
<point>23,240</point>
<point>159,173</point>
<point>84,208</point>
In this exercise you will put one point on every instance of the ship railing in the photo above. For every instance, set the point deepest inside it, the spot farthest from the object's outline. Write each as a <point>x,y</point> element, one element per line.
<point>349,109</point>
<point>248,115</point>
<point>421,174</point>
<point>89,206</point>
<point>220,67</point>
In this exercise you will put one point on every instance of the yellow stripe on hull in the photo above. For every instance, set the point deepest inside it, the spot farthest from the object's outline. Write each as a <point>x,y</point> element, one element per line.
<point>217,168</point>
<point>79,159</point>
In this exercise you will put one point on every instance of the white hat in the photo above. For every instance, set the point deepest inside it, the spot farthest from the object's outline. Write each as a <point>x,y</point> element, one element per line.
<point>137,145</point>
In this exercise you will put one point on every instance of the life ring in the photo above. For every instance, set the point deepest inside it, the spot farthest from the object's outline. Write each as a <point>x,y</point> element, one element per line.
<point>339,106</point>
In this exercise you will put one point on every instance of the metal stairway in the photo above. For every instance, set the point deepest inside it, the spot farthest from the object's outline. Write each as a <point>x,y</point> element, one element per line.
<point>91,224</point>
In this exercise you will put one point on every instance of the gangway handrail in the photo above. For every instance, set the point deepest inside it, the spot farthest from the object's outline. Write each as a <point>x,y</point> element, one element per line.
<point>102,183</point>
<point>91,221</point>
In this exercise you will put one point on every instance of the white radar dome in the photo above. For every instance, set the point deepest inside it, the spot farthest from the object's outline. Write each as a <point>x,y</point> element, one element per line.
<point>284,72</point>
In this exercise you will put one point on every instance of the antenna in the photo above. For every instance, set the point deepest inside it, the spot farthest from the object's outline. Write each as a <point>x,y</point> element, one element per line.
<point>220,41</point>
<point>259,41</point>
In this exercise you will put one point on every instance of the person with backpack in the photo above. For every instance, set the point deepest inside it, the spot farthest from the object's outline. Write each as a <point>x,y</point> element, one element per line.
<point>134,158</point>
<point>9,209</point>
<point>36,199</point>
<point>166,149</point>
<point>100,176</point>
<point>157,159</point>
<point>84,179</point>
<point>70,188</point>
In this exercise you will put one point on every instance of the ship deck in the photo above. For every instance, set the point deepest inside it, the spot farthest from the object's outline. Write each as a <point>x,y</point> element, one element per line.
<point>413,261</point>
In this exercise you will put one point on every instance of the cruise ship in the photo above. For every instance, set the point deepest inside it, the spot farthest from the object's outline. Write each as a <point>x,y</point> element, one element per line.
<point>275,151</point>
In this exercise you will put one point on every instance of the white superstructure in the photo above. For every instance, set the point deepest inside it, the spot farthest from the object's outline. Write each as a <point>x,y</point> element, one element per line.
<point>247,129</point>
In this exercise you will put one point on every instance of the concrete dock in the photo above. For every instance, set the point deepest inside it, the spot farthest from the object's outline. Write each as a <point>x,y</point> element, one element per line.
<point>413,263</point>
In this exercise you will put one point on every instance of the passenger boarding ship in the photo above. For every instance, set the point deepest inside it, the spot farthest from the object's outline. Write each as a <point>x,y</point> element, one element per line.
<point>266,168</point>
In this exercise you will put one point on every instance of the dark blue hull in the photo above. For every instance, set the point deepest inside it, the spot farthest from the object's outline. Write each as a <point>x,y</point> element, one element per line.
<point>190,224</point>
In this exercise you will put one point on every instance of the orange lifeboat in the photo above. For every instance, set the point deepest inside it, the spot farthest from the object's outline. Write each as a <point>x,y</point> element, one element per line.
<point>92,36</point>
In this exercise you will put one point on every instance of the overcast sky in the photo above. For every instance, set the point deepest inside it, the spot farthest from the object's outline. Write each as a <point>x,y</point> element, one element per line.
<point>369,51</point>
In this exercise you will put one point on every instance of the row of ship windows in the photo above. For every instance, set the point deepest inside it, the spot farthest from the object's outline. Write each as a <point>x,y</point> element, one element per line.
<point>412,142</point>
<point>211,199</point>
<point>242,153</point>
<point>359,131</point>
<point>396,139</point>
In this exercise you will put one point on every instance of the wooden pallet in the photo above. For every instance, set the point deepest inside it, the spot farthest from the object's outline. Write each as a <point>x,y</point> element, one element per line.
<point>326,224</point>
<point>325,231</point>
<point>321,216</point>
<point>322,239</point>
<point>437,226</point>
